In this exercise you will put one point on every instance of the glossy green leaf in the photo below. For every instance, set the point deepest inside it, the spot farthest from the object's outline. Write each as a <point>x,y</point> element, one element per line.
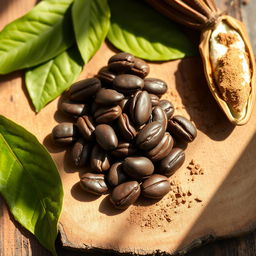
<point>138,29</point>
<point>46,82</point>
<point>38,36</point>
<point>91,19</point>
<point>30,182</point>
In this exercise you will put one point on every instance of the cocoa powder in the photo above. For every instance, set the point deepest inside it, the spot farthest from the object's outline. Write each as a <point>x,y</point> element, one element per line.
<point>162,213</point>
<point>194,170</point>
<point>230,80</point>
<point>227,38</point>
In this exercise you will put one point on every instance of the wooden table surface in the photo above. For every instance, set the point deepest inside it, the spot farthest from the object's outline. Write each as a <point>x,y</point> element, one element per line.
<point>16,241</point>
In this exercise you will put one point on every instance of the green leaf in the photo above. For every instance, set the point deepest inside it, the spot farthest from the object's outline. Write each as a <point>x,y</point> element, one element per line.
<point>91,20</point>
<point>38,36</point>
<point>140,30</point>
<point>30,182</point>
<point>46,82</point>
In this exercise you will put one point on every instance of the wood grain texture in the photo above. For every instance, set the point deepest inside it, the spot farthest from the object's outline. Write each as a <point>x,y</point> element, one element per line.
<point>215,195</point>
<point>14,240</point>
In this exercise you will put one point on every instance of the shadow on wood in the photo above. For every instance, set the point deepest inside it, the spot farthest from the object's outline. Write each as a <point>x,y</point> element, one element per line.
<point>14,234</point>
<point>232,208</point>
<point>81,195</point>
<point>198,101</point>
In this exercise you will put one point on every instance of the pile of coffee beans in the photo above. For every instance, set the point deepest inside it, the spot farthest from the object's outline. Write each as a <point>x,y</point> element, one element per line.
<point>123,132</point>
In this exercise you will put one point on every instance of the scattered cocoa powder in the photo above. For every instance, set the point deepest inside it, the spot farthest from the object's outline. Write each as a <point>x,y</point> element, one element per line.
<point>198,200</point>
<point>159,215</point>
<point>194,169</point>
<point>163,212</point>
<point>227,38</point>
<point>201,171</point>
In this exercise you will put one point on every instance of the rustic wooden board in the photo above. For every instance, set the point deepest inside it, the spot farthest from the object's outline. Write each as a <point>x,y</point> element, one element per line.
<point>219,204</point>
<point>222,199</point>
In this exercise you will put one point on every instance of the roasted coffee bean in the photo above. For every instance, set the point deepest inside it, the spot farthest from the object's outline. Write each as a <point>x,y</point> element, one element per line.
<point>99,159</point>
<point>81,152</point>
<point>128,83</point>
<point>140,108</point>
<point>140,68</point>
<point>124,149</point>
<point>106,137</point>
<point>155,86</point>
<point>94,107</point>
<point>125,194</point>
<point>86,127</point>
<point>161,150</point>
<point>121,62</point>
<point>172,162</point>
<point>108,97</point>
<point>154,100</point>
<point>124,104</point>
<point>65,133</point>
<point>159,115</point>
<point>116,174</point>
<point>84,89</point>
<point>106,76</point>
<point>107,114</point>
<point>94,183</point>
<point>156,187</point>
<point>168,107</point>
<point>73,109</point>
<point>121,119</point>
<point>138,167</point>
<point>126,128</point>
<point>150,135</point>
<point>182,128</point>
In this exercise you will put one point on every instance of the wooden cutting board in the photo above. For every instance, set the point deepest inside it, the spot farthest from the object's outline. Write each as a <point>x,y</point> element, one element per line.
<point>213,194</point>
